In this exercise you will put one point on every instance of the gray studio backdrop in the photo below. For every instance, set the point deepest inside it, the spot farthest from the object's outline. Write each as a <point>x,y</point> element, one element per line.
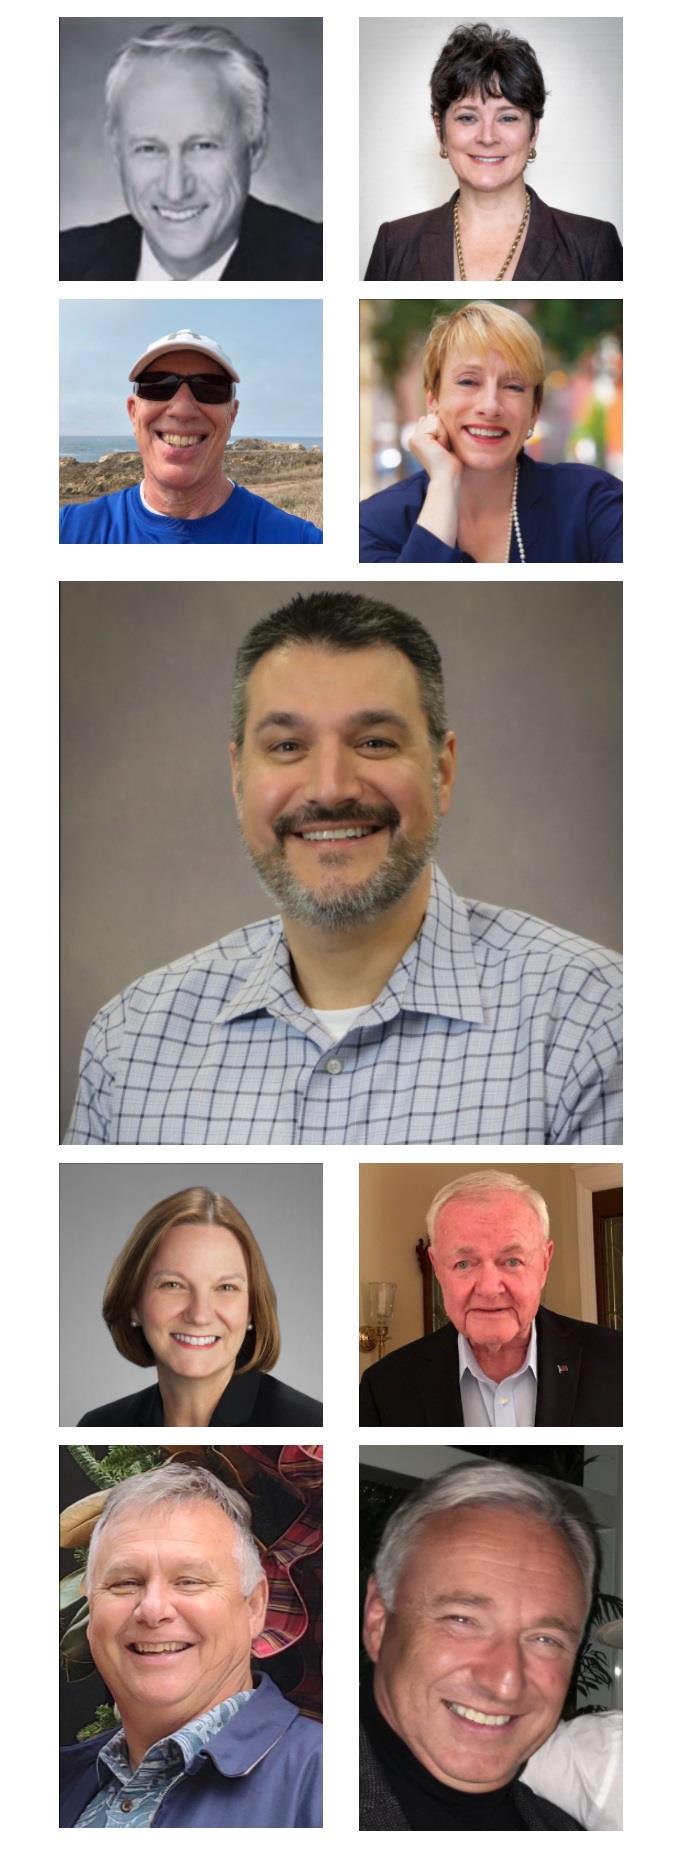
<point>579,158</point>
<point>152,863</point>
<point>100,1205</point>
<point>290,174</point>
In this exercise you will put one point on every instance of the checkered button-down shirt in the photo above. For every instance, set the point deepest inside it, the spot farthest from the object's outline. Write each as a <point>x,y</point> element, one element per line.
<point>494,1028</point>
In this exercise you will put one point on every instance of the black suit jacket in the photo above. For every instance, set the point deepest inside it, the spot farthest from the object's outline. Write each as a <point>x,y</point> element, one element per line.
<point>252,1399</point>
<point>274,246</point>
<point>561,246</point>
<point>580,1378</point>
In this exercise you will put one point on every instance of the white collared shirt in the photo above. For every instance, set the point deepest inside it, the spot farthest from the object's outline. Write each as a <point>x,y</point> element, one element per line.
<point>149,270</point>
<point>498,1403</point>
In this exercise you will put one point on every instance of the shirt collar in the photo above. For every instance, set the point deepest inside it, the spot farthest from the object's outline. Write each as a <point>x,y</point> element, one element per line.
<point>151,271</point>
<point>182,1745</point>
<point>436,976</point>
<point>467,1360</point>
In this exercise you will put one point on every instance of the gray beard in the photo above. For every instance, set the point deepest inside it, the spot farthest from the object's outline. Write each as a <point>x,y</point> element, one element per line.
<point>352,905</point>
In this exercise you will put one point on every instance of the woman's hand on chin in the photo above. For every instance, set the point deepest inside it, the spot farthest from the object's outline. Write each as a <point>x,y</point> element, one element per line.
<point>431,446</point>
<point>429,443</point>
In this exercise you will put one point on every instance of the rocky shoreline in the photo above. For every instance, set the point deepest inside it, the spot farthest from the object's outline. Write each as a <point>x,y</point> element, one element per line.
<point>287,474</point>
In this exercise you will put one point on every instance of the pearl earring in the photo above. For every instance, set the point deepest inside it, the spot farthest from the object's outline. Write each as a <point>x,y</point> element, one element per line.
<point>134,1323</point>
<point>532,154</point>
<point>443,152</point>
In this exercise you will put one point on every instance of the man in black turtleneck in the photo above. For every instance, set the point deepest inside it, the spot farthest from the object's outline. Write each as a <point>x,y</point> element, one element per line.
<point>473,1617</point>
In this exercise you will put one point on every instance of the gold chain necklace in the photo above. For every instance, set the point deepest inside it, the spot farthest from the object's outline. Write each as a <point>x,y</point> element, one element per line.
<point>510,254</point>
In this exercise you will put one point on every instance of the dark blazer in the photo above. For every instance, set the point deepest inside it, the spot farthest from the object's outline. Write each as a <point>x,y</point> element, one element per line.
<point>561,246</point>
<point>569,513</point>
<point>380,1811</point>
<point>252,1399</point>
<point>274,246</point>
<point>580,1378</point>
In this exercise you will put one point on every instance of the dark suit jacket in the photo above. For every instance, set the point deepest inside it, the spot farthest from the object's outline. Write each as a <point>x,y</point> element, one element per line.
<point>252,1399</point>
<point>380,1811</point>
<point>561,246</point>
<point>580,1378</point>
<point>568,513</point>
<point>274,246</point>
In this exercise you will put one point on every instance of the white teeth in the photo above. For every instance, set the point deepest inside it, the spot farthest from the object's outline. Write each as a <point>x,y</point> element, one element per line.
<point>484,430</point>
<point>178,218</point>
<point>336,834</point>
<point>178,442</point>
<point>194,1342</point>
<point>477,1715</point>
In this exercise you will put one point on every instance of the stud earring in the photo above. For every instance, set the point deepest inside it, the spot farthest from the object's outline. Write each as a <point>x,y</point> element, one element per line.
<point>249,1326</point>
<point>532,154</point>
<point>443,152</point>
<point>529,433</point>
<point>134,1323</point>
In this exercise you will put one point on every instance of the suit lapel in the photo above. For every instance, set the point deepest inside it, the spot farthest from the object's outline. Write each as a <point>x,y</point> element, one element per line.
<point>539,255</point>
<point>559,1360</point>
<point>435,250</point>
<point>439,1393</point>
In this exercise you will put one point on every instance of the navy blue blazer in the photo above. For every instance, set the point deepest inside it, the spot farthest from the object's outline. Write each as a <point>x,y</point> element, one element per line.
<point>568,513</point>
<point>580,1378</point>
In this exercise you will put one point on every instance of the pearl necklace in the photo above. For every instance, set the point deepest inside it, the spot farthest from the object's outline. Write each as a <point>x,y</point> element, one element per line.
<point>514,523</point>
<point>510,254</point>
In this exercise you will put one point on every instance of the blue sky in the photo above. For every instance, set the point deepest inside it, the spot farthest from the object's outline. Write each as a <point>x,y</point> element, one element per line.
<point>276,347</point>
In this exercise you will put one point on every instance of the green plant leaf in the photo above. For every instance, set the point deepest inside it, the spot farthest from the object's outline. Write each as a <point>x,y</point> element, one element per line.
<point>71,1589</point>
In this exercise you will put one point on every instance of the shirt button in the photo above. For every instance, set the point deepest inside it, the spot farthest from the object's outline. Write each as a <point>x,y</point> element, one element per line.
<point>335,1066</point>
<point>504,1401</point>
<point>126,1805</point>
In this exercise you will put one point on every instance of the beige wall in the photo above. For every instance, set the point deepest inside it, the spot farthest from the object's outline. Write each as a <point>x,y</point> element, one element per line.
<point>394,1198</point>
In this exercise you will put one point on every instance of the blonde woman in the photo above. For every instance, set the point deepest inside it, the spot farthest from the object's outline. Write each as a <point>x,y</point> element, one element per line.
<point>478,497</point>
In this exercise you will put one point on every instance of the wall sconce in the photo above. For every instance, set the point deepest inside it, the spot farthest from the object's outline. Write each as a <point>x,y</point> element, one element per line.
<point>380,1300</point>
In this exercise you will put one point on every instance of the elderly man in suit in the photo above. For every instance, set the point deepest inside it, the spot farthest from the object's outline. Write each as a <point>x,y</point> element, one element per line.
<point>502,1359</point>
<point>187,118</point>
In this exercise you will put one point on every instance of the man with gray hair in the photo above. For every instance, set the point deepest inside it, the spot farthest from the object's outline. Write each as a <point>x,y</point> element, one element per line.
<point>501,1358</point>
<point>475,1610</point>
<point>186,110</point>
<point>177,1595</point>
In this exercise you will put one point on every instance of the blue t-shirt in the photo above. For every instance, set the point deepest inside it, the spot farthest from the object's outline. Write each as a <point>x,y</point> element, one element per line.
<point>243,520</point>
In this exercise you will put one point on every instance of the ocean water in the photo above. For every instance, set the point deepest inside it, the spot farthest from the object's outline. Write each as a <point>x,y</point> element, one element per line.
<point>89,449</point>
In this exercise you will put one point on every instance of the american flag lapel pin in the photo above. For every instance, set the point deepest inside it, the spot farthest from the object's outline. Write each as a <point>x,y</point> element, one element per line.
<point>562,1368</point>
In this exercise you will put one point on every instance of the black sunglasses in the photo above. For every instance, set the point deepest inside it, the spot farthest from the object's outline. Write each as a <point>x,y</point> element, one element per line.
<point>207,388</point>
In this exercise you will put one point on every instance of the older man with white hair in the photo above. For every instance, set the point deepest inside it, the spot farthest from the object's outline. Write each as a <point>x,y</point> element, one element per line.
<point>502,1359</point>
<point>186,113</point>
<point>177,1595</point>
<point>479,1598</point>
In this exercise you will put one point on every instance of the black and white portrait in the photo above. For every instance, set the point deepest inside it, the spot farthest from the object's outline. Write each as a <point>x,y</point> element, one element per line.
<point>191,150</point>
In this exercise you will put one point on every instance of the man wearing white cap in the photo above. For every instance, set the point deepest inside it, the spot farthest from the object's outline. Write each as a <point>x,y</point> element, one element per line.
<point>182,409</point>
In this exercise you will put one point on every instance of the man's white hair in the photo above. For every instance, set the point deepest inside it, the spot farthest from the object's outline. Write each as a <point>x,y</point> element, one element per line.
<point>477,1186</point>
<point>243,69</point>
<point>486,1486</point>
<point>169,1486</point>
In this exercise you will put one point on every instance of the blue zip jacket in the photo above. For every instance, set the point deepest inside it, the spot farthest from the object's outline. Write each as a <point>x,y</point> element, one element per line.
<point>263,1768</point>
<point>243,520</point>
<point>569,513</point>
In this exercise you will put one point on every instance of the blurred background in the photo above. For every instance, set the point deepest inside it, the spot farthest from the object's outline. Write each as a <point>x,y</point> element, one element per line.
<point>582,412</point>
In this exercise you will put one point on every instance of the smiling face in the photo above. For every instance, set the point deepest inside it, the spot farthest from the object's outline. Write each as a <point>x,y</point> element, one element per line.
<point>338,799</point>
<point>487,142</point>
<point>487,408</point>
<point>184,160</point>
<point>473,1666</point>
<point>182,443</point>
<point>170,1629</point>
<point>491,1261</point>
<point>194,1304</point>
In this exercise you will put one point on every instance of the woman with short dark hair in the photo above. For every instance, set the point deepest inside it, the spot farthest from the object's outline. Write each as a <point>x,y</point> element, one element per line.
<point>487,102</point>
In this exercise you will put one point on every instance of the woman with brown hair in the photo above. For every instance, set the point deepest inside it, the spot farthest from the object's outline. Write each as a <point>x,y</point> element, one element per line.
<point>190,1293</point>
